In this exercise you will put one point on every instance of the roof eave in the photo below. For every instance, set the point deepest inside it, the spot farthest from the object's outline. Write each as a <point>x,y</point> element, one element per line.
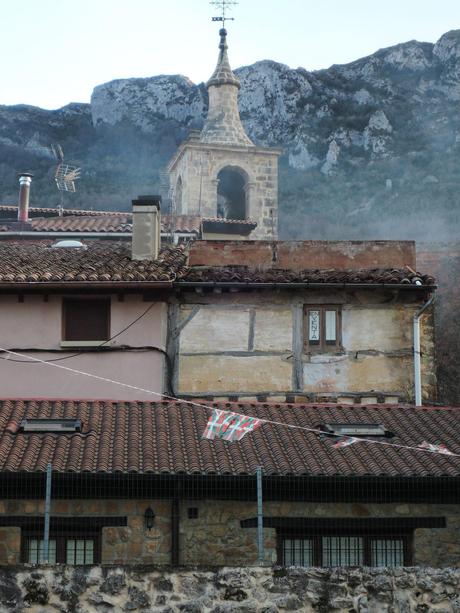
<point>304,285</point>
<point>72,285</point>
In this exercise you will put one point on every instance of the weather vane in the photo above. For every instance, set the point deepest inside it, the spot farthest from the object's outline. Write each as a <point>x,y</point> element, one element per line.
<point>224,6</point>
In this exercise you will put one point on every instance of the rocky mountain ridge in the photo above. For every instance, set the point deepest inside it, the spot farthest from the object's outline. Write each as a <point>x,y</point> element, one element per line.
<point>379,134</point>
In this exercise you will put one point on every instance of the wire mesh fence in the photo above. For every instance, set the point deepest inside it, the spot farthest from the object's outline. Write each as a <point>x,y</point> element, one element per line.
<point>203,520</point>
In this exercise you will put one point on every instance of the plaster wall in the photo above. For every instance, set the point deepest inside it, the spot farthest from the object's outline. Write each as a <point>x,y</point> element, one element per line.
<point>36,324</point>
<point>248,344</point>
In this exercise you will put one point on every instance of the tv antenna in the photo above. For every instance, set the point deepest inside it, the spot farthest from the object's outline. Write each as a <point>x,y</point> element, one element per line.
<point>65,175</point>
<point>224,6</point>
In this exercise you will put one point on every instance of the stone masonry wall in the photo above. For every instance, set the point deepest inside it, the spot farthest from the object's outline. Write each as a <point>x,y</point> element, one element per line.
<point>198,166</point>
<point>236,590</point>
<point>251,345</point>
<point>216,537</point>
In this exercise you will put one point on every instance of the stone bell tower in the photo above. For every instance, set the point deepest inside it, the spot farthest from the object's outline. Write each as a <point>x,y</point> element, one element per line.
<point>219,173</point>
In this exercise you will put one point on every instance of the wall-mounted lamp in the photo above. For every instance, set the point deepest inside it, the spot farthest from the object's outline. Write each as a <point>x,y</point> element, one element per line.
<point>149,518</point>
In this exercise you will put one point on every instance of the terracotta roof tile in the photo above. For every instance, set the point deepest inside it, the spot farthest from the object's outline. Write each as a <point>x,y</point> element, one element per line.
<point>246,274</point>
<point>105,261</point>
<point>166,437</point>
<point>74,220</point>
<point>35,211</point>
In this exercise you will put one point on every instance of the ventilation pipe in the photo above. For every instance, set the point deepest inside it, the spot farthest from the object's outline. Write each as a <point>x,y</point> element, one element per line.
<point>25,179</point>
<point>417,365</point>
<point>146,228</point>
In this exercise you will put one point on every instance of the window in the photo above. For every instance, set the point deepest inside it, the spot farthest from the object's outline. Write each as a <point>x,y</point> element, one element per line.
<point>35,554</point>
<point>356,429</point>
<point>73,548</point>
<point>79,551</point>
<point>322,328</point>
<point>50,425</point>
<point>344,550</point>
<point>86,320</point>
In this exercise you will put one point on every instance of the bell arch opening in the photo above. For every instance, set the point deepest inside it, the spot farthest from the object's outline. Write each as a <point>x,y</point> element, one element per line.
<point>231,193</point>
<point>178,197</point>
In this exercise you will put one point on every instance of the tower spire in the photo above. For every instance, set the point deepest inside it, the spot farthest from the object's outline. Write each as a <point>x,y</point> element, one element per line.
<point>223,73</point>
<point>223,124</point>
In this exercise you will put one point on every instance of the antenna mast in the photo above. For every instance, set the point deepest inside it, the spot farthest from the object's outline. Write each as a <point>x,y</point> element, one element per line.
<point>64,175</point>
<point>224,6</point>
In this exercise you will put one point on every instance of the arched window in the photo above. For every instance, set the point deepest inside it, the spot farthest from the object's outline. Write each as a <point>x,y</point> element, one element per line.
<point>178,197</point>
<point>231,193</point>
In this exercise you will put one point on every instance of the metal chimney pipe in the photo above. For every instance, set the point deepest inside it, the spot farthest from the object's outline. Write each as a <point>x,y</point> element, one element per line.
<point>25,179</point>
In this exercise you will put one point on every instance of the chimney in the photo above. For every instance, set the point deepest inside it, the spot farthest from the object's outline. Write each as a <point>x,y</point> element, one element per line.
<point>146,228</point>
<point>25,179</point>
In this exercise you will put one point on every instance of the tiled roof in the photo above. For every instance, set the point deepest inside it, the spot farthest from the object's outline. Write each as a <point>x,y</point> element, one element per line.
<point>74,220</point>
<point>245,274</point>
<point>81,223</point>
<point>103,221</point>
<point>35,211</point>
<point>101,261</point>
<point>166,437</point>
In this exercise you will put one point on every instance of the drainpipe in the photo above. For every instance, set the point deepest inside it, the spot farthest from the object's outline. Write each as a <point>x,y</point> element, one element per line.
<point>417,367</point>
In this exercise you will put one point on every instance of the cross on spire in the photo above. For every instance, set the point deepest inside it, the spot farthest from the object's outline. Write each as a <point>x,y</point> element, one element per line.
<point>224,6</point>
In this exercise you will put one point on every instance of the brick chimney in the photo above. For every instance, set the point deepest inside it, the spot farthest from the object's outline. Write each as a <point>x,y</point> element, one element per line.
<point>146,228</point>
<point>25,179</point>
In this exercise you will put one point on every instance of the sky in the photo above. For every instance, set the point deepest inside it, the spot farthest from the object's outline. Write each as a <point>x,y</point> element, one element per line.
<point>53,52</point>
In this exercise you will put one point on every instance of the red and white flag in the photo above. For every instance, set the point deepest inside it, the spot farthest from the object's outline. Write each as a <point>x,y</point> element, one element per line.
<point>345,441</point>
<point>435,448</point>
<point>230,426</point>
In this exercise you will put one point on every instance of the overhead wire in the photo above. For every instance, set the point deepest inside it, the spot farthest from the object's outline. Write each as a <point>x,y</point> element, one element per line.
<point>208,408</point>
<point>79,353</point>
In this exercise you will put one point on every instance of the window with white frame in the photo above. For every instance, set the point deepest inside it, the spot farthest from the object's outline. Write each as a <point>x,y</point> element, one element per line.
<point>64,548</point>
<point>344,550</point>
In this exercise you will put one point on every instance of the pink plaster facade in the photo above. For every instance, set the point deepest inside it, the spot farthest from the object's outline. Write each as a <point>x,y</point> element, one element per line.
<point>36,324</point>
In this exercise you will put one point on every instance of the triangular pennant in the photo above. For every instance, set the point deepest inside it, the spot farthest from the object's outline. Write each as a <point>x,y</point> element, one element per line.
<point>345,442</point>
<point>229,426</point>
<point>441,448</point>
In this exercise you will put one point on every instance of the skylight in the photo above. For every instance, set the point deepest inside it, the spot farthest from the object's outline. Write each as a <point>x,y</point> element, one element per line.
<point>51,425</point>
<point>357,429</point>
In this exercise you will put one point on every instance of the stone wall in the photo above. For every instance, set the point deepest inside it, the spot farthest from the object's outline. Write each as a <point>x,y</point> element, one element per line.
<point>248,590</point>
<point>215,535</point>
<point>198,164</point>
<point>251,345</point>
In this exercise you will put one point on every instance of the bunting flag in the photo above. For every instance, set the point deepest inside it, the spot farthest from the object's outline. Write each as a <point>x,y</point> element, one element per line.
<point>435,448</point>
<point>345,441</point>
<point>229,426</point>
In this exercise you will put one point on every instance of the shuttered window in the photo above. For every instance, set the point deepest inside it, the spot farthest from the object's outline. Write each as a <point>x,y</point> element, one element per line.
<point>86,320</point>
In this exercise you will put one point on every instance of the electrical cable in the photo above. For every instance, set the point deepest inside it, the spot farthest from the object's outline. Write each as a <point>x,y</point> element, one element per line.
<point>78,353</point>
<point>208,408</point>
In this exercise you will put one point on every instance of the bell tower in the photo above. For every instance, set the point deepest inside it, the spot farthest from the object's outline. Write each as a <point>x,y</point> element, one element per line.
<point>219,173</point>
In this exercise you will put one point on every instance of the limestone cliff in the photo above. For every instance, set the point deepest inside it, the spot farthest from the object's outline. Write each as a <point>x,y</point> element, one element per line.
<point>374,143</point>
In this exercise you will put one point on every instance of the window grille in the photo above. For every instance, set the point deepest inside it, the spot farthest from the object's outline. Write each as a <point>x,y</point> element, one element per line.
<point>344,550</point>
